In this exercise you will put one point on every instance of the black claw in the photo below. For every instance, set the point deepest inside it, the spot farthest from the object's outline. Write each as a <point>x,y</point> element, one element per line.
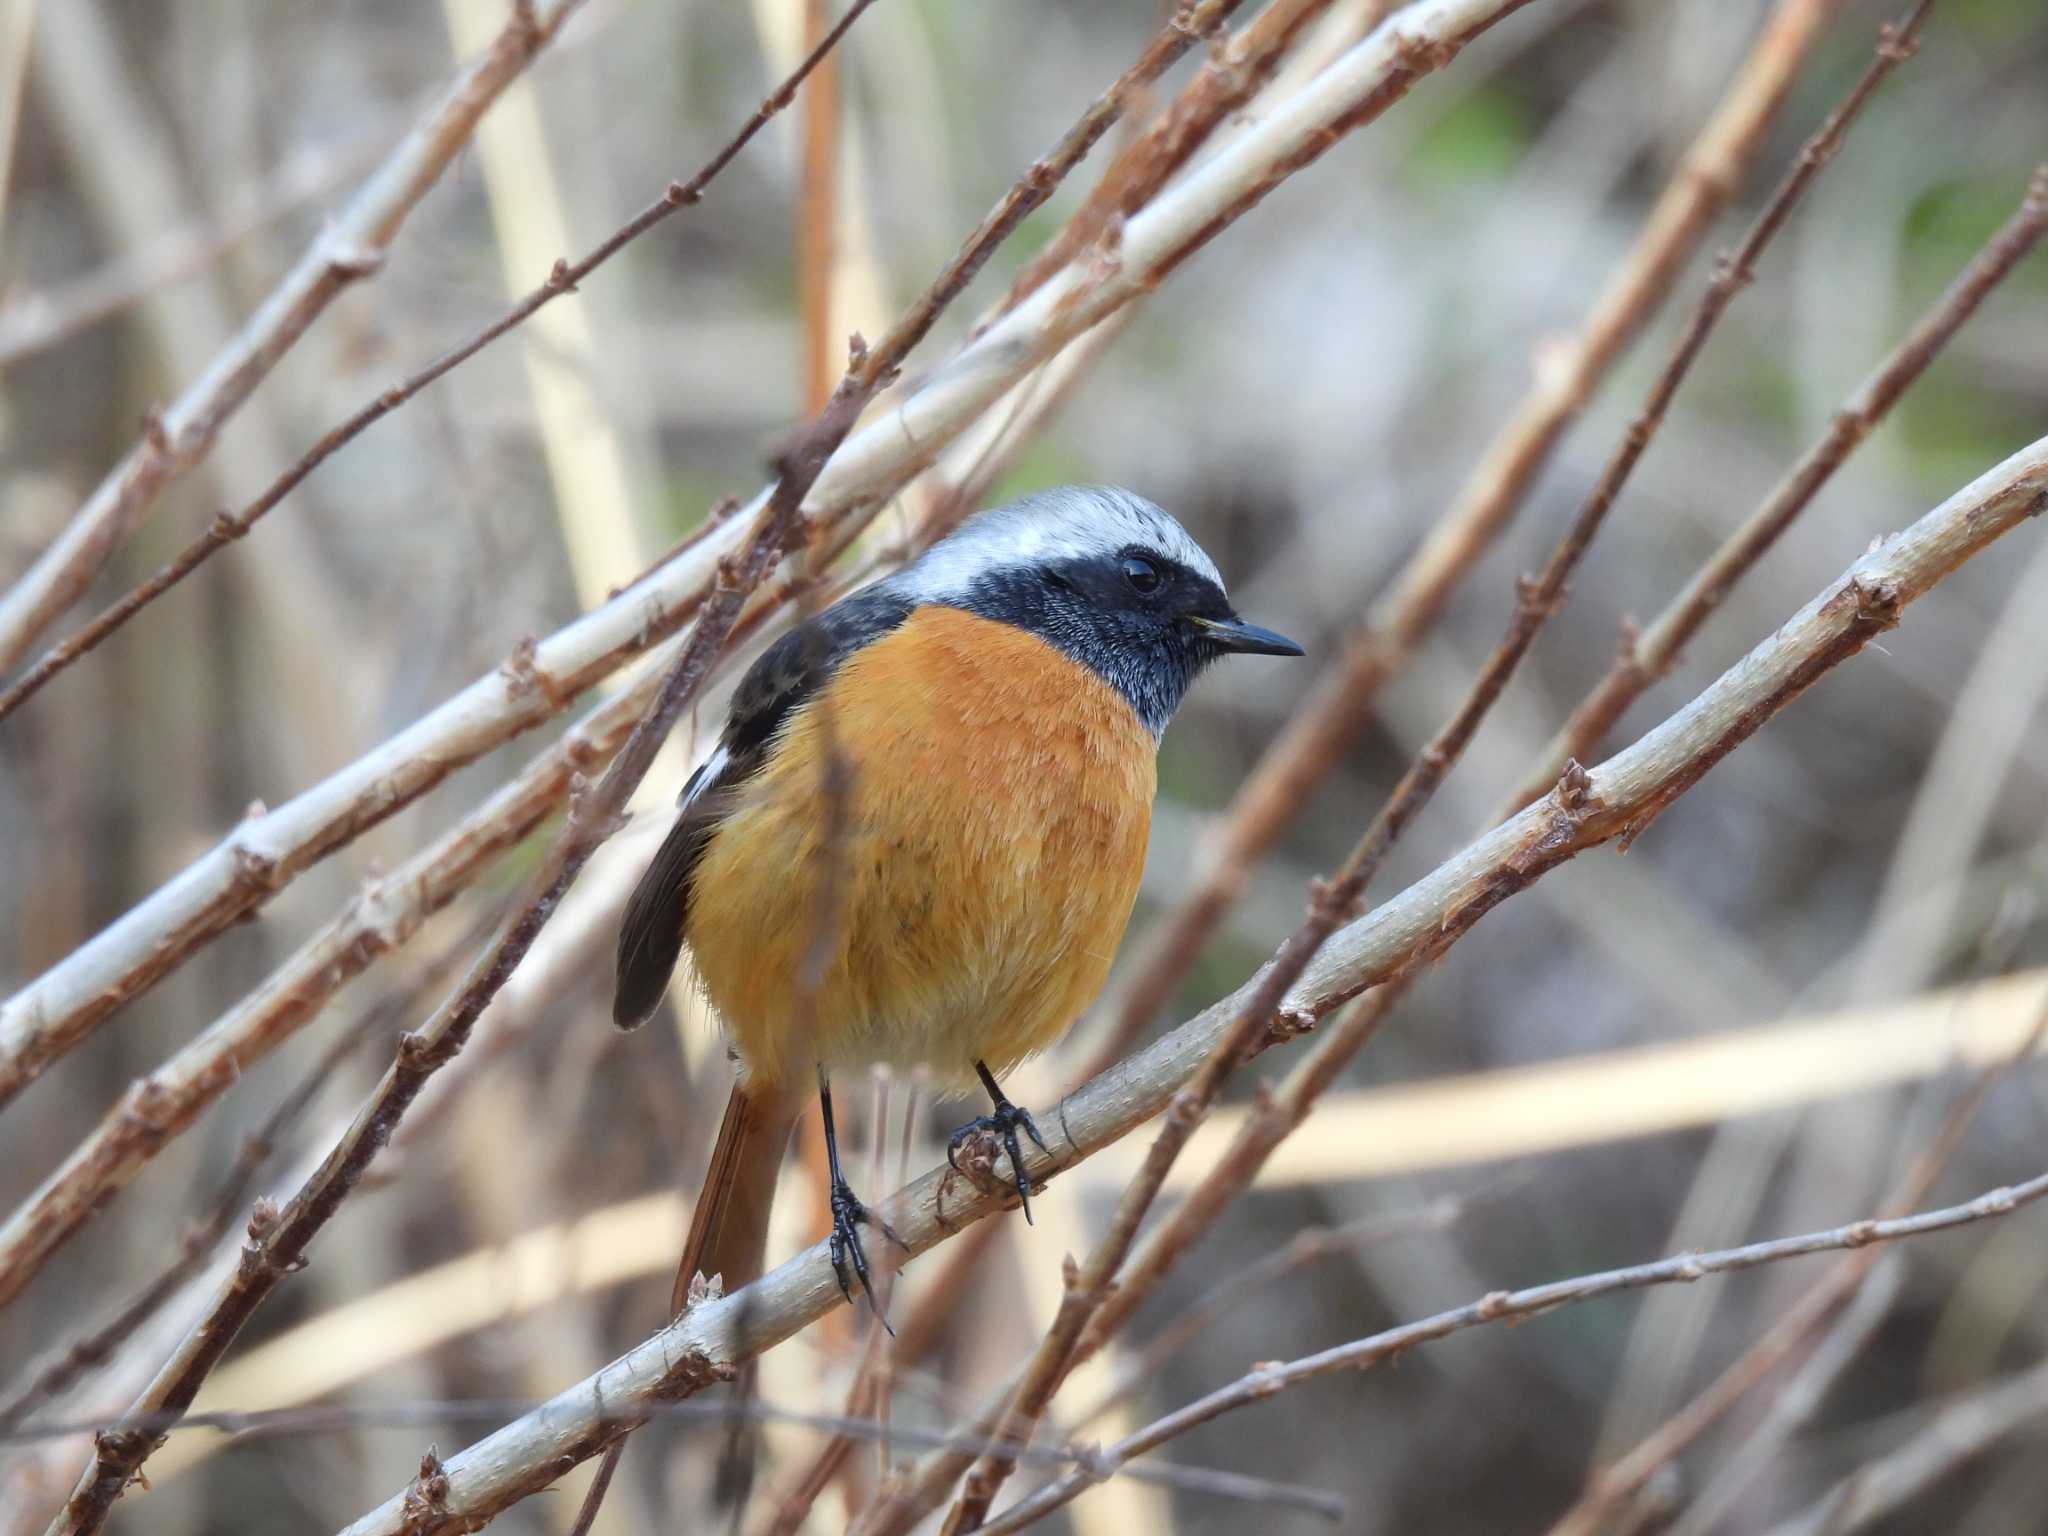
<point>1003,1122</point>
<point>846,1249</point>
<point>848,1215</point>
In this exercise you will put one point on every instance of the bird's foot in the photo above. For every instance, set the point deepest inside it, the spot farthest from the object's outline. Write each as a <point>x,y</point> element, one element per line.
<point>846,1249</point>
<point>1003,1122</point>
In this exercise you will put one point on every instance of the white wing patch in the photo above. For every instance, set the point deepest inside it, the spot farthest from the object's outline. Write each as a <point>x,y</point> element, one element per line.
<point>707,774</point>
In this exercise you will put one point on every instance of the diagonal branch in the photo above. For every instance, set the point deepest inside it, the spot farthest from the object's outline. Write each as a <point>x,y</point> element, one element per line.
<point>1509,1306</point>
<point>1338,705</point>
<point>58,1009</point>
<point>350,248</point>
<point>1095,1306</point>
<point>1617,800</point>
<point>1650,656</point>
<point>1283,1110</point>
<point>278,1239</point>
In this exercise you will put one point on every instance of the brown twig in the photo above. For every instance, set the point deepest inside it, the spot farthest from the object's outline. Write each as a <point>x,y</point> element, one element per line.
<point>325,1418</point>
<point>384,915</point>
<point>1538,599</point>
<point>817,216</point>
<point>1505,1306</point>
<point>50,1015</point>
<point>227,527</point>
<point>199,1241</point>
<point>1617,800</point>
<point>278,1239</point>
<point>351,248</point>
<point>1611,1485</point>
<point>1280,1113</point>
<point>1232,75</point>
<point>1341,701</point>
<point>1647,657</point>
<point>1308,1246</point>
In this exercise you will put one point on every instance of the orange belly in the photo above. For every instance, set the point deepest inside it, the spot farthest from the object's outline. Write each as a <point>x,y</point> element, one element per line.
<point>996,821</point>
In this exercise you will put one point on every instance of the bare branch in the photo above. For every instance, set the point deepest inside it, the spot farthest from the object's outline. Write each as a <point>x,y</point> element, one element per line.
<point>1507,1306</point>
<point>278,1240</point>
<point>228,527</point>
<point>62,1006</point>
<point>1647,657</point>
<point>1617,800</point>
<point>1341,701</point>
<point>1094,1305</point>
<point>352,247</point>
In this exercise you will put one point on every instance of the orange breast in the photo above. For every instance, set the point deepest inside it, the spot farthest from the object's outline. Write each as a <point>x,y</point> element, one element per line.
<point>997,815</point>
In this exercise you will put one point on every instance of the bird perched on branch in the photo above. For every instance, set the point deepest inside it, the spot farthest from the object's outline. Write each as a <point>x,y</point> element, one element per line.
<point>920,836</point>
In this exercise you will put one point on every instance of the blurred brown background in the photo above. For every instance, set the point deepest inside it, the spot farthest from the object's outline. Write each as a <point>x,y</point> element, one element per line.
<point>1307,396</point>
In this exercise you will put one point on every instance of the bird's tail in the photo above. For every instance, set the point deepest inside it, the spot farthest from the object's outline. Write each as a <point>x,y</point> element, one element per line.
<point>729,1227</point>
<point>729,1238</point>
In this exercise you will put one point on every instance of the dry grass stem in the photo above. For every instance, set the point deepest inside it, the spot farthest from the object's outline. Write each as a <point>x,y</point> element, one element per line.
<point>348,249</point>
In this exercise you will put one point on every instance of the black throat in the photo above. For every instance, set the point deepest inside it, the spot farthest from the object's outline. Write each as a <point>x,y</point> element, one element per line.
<point>1084,610</point>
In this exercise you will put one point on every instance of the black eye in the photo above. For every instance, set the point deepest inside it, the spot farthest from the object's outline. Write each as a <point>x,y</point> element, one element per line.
<point>1141,573</point>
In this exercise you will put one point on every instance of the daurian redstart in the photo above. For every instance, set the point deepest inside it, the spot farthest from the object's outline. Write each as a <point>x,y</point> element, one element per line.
<point>997,708</point>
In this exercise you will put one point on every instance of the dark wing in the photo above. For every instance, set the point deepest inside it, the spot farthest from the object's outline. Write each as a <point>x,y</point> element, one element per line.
<point>786,674</point>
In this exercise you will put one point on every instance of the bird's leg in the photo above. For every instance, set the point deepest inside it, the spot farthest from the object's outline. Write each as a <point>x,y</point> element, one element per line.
<point>1003,1121</point>
<point>848,1215</point>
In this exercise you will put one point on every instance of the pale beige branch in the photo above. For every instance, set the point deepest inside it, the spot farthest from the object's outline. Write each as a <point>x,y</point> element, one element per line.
<point>350,248</point>
<point>1617,800</point>
<point>60,1008</point>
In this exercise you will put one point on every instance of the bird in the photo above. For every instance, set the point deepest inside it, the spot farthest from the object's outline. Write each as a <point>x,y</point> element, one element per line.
<point>992,712</point>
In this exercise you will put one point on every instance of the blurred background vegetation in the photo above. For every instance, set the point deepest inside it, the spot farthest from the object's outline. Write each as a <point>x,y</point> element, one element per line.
<point>1307,395</point>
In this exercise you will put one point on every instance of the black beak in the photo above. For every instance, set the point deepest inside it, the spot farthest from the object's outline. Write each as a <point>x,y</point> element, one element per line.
<point>1233,634</point>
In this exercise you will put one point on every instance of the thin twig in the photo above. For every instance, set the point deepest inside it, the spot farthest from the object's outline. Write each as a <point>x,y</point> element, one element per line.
<point>1612,1485</point>
<point>385,914</point>
<point>1505,1306</point>
<point>199,1241</point>
<point>325,1418</point>
<point>227,527</point>
<point>1538,599</point>
<point>1618,800</point>
<point>350,248</point>
<point>61,1007</point>
<point>278,1239</point>
<point>1959,1431</point>
<point>1340,702</point>
<point>1647,657</point>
